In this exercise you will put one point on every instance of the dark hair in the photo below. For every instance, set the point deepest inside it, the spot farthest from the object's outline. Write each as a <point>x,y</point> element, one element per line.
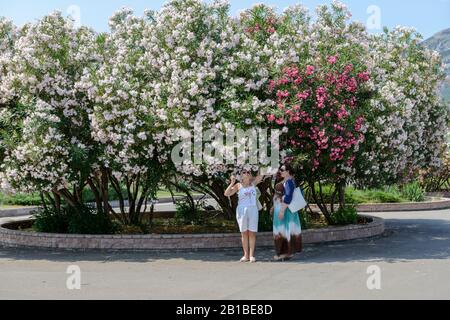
<point>289,168</point>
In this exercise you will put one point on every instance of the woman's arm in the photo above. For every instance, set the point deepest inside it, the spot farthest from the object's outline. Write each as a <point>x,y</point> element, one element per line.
<point>259,179</point>
<point>232,188</point>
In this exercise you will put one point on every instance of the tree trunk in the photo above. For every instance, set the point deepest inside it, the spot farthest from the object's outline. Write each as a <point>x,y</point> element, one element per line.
<point>104,190</point>
<point>341,192</point>
<point>318,199</point>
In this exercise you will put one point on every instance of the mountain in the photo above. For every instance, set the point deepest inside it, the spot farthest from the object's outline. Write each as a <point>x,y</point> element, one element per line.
<point>441,43</point>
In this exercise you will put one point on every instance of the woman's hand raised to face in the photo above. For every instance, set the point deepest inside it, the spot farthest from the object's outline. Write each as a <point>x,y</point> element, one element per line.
<point>232,188</point>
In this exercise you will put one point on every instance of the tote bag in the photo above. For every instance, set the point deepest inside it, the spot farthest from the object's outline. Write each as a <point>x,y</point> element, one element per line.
<point>298,201</point>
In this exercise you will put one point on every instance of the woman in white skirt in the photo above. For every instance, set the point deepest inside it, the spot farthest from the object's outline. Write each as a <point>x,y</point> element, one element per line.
<point>247,213</point>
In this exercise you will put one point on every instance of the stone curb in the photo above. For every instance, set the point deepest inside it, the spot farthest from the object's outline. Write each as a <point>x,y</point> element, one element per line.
<point>13,238</point>
<point>443,203</point>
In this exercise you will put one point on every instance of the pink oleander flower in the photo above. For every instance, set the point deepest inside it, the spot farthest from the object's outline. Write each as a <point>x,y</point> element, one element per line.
<point>271,85</point>
<point>280,121</point>
<point>348,68</point>
<point>302,95</point>
<point>291,72</point>
<point>316,164</point>
<point>283,81</point>
<point>342,113</point>
<point>271,117</point>
<point>352,85</point>
<point>322,97</point>
<point>298,80</point>
<point>271,30</point>
<point>336,154</point>
<point>364,76</point>
<point>332,59</point>
<point>359,123</point>
<point>310,70</point>
<point>281,94</point>
<point>351,160</point>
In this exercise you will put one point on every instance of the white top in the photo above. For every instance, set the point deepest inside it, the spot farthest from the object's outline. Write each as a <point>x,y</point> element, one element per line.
<point>247,196</point>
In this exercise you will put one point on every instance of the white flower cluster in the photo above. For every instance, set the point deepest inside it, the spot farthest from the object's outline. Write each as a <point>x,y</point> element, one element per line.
<point>409,121</point>
<point>55,142</point>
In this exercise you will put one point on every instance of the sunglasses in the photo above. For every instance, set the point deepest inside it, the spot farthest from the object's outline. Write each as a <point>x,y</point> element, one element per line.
<point>245,172</point>
<point>282,170</point>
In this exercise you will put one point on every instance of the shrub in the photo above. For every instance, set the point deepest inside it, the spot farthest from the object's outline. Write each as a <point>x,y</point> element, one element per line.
<point>265,223</point>
<point>304,220</point>
<point>50,221</point>
<point>189,212</point>
<point>87,220</point>
<point>413,192</point>
<point>81,220</point>
<point>345,216</point>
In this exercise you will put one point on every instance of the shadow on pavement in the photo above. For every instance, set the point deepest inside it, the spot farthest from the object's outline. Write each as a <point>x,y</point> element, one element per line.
<point>404,239</point>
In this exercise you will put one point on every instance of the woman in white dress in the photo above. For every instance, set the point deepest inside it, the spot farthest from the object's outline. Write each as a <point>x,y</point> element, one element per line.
<point>247,213</point>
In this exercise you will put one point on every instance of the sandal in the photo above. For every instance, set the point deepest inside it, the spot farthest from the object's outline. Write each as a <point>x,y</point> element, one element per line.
<point>244,259</point>
<point>281,258</point>
<point>252,259</point>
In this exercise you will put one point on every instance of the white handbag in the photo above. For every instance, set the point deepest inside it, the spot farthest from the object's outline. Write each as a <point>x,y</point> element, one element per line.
<point>298,201</point>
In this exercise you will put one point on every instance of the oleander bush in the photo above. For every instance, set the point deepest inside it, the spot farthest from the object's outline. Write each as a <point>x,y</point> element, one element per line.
<point>87,116</point>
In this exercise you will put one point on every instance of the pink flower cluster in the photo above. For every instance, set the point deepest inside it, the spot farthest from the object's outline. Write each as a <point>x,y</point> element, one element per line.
<point>332,59</point>
<point>322,96</point>
<point>310,70</point>
<point>267,25</point>
<point>359,123</point>
<point>319,105</point>
<point>319,137</point>
<point>342,113</point>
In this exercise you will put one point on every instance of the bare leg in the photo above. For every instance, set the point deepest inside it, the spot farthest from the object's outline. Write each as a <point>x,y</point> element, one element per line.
<point>252,238</point>
<point>245,244</point>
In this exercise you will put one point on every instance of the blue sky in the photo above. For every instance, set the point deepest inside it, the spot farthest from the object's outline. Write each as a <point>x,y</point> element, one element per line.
<point>427,16</point>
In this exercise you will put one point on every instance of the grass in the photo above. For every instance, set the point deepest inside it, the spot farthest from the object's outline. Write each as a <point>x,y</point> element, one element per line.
<point>388,194</point>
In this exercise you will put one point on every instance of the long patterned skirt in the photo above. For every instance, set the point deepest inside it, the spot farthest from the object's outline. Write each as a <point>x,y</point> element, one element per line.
<point>287,232</point>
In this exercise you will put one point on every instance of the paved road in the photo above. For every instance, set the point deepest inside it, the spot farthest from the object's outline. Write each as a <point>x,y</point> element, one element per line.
<point>413,256</point>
